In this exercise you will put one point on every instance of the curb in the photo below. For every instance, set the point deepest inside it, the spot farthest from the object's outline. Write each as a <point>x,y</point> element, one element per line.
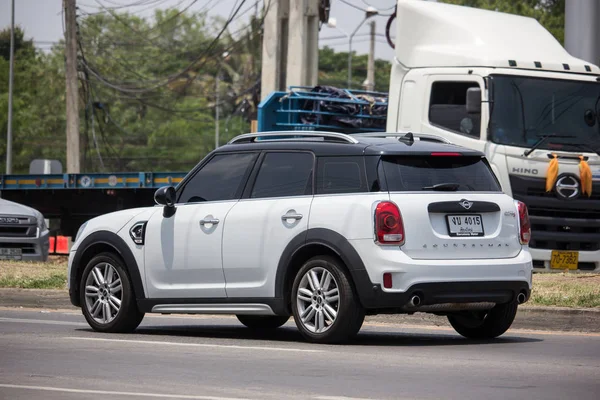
<point>528,318</point>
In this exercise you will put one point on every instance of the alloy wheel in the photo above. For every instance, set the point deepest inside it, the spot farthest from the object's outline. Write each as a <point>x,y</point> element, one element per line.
<point>318,300</point>
<point>103,293</point>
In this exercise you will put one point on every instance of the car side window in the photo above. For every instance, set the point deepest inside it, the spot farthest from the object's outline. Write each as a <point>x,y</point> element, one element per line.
<point>220,179</point>
<point>341,175</point>
<point>284,174</point>
<point>448,108</point>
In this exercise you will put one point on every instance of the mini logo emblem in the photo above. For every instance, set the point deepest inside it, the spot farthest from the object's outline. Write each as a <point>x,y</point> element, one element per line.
<point>466,204</point>
<point>567,187</point>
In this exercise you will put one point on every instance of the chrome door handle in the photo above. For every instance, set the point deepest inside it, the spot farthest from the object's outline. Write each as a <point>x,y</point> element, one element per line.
<point>209,221</point>
<point>297,217</point>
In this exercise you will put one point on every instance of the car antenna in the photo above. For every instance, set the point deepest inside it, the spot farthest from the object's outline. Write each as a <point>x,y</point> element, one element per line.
<point>409,137</point>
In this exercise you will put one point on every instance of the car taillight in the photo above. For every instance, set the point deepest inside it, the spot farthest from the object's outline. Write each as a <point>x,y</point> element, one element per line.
<point>389,227</point>
<point>524,224</point>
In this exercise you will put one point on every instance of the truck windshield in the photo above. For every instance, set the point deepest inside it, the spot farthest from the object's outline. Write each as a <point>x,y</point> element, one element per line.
<point>526,109</point>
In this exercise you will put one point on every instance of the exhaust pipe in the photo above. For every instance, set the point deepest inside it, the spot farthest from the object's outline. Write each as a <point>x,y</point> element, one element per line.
<point>415,301</point>
<point>521,298</point>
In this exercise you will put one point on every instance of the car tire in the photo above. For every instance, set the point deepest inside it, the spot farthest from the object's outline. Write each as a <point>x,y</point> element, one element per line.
<point>263,322</point>
<point>485,325</point>
<point>107,297</point>
<point>327,309</point>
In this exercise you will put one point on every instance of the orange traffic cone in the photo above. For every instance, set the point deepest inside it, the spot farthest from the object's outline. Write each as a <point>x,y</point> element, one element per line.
<point>62,245</point>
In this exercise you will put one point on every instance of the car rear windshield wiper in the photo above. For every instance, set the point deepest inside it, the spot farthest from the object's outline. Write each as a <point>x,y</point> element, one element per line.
<point>443,187</point>
<point>543,139</point>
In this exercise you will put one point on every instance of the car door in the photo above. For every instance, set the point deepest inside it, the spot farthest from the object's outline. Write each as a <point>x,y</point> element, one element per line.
<point>183,251</point>
<point>274,210</point>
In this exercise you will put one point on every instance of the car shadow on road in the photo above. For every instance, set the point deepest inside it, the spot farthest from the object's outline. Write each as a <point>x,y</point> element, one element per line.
<point>291,335</point>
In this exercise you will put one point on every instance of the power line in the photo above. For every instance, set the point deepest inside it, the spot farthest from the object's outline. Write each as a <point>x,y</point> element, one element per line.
<point>171,78</point>
<point>98,76</point>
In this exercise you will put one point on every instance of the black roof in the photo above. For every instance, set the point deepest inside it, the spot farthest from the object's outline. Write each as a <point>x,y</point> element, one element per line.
<point>339,146</point>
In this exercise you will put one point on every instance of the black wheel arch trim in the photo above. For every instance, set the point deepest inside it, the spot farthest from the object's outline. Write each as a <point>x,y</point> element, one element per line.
<point>341,247</point>
<point>118,244</point>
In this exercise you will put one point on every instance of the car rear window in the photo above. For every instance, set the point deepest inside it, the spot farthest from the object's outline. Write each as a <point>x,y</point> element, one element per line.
<point>414,173</point>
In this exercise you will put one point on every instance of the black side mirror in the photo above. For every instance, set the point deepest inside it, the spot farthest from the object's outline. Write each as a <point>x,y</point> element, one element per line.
<point>474,100</point>
<point>166,196</point>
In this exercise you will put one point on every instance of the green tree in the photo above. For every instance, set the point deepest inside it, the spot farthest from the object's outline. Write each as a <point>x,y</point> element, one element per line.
<point>333,70</point>
<point>38,104</point>
<point>147,89</point>
<point>21,45</point>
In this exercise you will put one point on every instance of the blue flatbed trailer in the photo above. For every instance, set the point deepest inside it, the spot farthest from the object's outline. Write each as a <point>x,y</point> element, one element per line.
<point>75,198</point>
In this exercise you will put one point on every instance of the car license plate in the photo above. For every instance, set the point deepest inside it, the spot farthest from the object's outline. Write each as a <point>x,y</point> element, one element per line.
<point>564,259</point>
<point>11,254</point>
<point>467,225</point>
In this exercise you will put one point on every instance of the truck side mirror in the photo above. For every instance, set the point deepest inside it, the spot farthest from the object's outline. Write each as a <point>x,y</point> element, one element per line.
<point>474,100</point>
<point>166,196</point>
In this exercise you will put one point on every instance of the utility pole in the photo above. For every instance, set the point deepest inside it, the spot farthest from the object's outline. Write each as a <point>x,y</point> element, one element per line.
<point>332,23</point>
<point>10,91</point>
<point>582,30</point>
<point>217,108</point>
<point>370,81</point>
<point>73,151</point>
<point>303,43</point>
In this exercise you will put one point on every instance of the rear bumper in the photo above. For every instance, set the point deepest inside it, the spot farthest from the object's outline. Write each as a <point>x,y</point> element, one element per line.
<point>33,248</point>
<point>372,296</point>
<point>437,281</point>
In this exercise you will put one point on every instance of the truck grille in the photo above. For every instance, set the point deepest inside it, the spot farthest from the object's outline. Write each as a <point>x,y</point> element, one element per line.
<point>27,248</point>
<point>17,231</point>
<point>557,224</point>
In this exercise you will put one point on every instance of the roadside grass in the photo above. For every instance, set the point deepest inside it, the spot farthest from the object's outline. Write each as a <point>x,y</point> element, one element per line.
<point>553,289</point>
<point>34,275</point>
<point>566,290</point>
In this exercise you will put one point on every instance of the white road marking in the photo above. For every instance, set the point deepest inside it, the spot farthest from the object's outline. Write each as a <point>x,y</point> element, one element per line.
<point>219,346</point>
<point>42,321</point>
<point>114,393</point>
<point>339,398</point>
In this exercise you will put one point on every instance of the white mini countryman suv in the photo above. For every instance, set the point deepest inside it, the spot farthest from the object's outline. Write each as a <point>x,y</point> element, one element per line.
<point>323,226</point>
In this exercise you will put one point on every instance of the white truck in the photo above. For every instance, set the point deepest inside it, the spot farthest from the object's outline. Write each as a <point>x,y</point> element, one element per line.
<point>502,84</point>
<point>493,82</point>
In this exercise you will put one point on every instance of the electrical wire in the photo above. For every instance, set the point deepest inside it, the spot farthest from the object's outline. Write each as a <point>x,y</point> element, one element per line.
<point>132,97</point>
<point>171,78</point>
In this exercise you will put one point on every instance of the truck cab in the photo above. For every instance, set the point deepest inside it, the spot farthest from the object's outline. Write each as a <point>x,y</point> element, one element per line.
<point>503,85</point>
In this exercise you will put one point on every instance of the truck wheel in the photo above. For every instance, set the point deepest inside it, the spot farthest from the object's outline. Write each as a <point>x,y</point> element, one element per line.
<point>485,325</point>
<point>107,298</point>
<point>325,308</point>
<point>262,323</point>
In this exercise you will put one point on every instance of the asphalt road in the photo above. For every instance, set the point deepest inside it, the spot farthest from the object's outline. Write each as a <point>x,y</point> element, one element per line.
<point>54,355</point>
